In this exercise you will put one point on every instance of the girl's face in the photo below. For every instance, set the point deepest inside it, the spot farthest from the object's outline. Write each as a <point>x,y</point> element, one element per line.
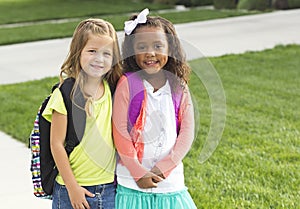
<point>97,55</point>
<point>150,49</point>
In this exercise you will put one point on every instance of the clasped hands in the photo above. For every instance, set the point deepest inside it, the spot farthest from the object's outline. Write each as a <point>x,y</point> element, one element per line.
<point>150,179</point>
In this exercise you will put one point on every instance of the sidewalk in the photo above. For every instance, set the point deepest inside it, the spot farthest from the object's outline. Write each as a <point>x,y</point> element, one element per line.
<point>27,61</point>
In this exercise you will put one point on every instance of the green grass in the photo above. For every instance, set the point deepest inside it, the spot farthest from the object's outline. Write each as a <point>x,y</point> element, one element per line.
<point>201,15</point>
<point>46,31</point>
<point>256,164</point>
<point>16,11</point>
<point>23,105</point>
<point>28,11</point>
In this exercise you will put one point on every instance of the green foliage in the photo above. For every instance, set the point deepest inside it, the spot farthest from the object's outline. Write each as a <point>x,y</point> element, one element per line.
<point>254,4</point>
<point>280,4</point>
<point>186,3</point>
<point>167,2</point>
<point>256,164</point>
<point>202,2</point>
<point>294,4</point>
<point>225,4</point>
<point>190,3</point>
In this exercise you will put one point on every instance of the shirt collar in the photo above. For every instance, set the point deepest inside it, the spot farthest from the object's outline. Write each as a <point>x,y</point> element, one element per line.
<point>165,89</point>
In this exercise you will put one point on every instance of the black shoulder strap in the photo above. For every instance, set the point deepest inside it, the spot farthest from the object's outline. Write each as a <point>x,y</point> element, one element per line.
<point>112,88</point>
<point>75,113</point>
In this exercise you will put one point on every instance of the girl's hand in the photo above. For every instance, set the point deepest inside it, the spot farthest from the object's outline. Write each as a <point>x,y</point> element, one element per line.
<point>157,172</point>
<point>150,180</point>
<point>77,197</point>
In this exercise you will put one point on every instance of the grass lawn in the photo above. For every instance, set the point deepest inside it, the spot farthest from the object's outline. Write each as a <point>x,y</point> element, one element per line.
<point>40,12</point>
<point>256,164</point>
<point>16,11</point>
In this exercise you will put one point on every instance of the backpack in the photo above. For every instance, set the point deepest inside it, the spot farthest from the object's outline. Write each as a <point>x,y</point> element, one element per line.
<point>43,168</point>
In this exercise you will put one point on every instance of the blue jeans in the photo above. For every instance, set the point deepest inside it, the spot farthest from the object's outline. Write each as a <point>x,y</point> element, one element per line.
<point>104,196</point>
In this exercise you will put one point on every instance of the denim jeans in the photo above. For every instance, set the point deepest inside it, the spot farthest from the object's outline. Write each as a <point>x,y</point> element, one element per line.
<point>104,197</point>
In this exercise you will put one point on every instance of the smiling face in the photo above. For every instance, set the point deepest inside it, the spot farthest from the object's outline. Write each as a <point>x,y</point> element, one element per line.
<point>150,49</point>
<point>97,55</point>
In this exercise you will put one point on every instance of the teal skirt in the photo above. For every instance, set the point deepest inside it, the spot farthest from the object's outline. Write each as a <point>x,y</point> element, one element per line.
<point>132,199</point>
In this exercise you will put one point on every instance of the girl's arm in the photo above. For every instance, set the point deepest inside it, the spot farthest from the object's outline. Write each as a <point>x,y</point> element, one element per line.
<point>184,140</point>
<point>57,139</point>
<point>122,138</point>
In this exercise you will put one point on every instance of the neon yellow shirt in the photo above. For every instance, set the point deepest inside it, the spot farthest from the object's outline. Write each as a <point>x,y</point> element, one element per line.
<point>93,160</point>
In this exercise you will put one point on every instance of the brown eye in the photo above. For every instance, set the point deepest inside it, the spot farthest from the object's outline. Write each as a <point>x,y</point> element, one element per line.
<point>92,51</point>
<point>141,47</point>
<point>158,46</point>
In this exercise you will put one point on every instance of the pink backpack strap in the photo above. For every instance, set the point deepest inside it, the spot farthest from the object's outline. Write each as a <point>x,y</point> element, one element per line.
<point>136,92</point>
<point>177,93</point>
<point>176,97</point>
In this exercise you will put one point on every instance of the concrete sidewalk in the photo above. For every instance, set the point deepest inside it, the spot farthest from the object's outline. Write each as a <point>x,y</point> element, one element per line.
<point>28,61</point>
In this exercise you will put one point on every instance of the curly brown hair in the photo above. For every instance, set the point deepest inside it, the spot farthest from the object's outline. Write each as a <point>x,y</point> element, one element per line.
<point>176,64</point>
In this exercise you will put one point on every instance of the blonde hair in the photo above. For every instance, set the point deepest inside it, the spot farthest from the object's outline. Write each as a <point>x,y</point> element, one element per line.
<point>71,66</point>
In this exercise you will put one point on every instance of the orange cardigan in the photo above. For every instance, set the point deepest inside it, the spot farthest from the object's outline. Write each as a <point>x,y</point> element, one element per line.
<point>124,142</point>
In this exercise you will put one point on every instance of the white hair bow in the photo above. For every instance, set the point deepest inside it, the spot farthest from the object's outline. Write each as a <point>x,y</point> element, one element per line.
<point>131,24</point>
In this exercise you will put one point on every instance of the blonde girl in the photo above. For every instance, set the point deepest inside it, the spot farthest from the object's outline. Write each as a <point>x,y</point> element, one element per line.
<point>86,169</point>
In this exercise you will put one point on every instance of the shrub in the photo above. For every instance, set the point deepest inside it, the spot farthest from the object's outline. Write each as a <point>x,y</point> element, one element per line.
<point>225,4</point>
<point>294,4</point>
<point>168,2</point>
<point>280,4</point>
<point>254,4</point>
<point>186,3</point>
<point>202,2</point>
<point>189,3</point>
